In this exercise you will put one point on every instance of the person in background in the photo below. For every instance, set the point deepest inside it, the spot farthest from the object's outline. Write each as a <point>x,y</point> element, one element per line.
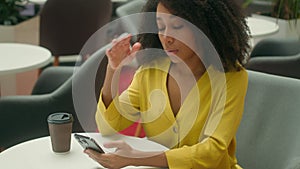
<point>197,121</point>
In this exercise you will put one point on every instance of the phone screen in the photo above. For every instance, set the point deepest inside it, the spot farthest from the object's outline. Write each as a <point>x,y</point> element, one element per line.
<point>88,143</point>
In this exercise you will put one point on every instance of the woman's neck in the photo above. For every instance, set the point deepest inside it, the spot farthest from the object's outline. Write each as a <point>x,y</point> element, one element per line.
<point>195,66</point>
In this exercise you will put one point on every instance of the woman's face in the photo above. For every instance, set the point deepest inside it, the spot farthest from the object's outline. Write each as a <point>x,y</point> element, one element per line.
<point>173,32</point>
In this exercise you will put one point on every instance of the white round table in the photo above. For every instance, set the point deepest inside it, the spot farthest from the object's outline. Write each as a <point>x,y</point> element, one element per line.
<point>37,154</point>
<point>261,27</point>
<point>16,58</point>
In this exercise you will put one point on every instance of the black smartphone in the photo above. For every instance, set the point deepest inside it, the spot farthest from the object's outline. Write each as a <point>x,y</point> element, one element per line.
<point>88,143</point>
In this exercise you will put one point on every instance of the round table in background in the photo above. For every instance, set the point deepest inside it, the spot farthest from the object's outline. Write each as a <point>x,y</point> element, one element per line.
<point>261,27</point>
<point>16,58</point>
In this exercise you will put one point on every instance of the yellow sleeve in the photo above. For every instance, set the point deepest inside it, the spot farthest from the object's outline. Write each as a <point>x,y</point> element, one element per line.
<point>217,150</point>
<point>122,112</point>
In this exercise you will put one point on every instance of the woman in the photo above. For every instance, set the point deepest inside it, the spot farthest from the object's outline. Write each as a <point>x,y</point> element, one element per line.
<point>180,98</point>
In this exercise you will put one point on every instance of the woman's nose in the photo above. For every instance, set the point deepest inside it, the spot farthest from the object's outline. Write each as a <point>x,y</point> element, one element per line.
<point>168,39</point>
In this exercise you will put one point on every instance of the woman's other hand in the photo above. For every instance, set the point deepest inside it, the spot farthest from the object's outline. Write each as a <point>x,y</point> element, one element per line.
<point>121,50</point>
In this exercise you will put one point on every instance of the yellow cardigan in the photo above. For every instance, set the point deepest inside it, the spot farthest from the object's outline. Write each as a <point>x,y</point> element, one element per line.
<point>202,135</point>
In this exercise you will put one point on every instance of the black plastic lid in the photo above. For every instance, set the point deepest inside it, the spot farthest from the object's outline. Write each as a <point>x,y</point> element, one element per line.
<point>60,118</point>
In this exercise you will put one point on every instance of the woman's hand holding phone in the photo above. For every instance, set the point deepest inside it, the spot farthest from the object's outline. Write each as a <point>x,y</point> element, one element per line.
<point>123,155</point>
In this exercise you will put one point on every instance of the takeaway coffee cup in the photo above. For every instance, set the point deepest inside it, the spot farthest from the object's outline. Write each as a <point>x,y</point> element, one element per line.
<point>60,129</point>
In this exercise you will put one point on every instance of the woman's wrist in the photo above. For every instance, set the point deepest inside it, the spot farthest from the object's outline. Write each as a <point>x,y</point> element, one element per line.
<point>110,69</point>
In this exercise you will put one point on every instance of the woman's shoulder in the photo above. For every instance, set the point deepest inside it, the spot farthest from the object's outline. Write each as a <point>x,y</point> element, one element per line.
<point>237,79</point>
<point>241,74</point>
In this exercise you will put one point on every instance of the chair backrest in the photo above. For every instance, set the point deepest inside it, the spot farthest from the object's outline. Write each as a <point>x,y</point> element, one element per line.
<point>58,74</point>
<point>259,7</point>
<point>269,133</point>
<point>65,25</point>
<point>276,56</point>
<point>288,66</point>
<point>87,82</point>
<point>276,47</point>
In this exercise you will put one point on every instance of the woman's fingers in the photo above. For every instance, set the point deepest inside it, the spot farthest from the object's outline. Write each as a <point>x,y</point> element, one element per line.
<point>115,144</point>
<point>120,44</point>
<point>121,52</point>
<point>122,39</point>
<point>121,148</point>
<point>93,154</point>
<point>136,47</point>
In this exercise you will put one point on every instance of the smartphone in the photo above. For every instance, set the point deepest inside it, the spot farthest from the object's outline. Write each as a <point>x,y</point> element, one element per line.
<point>88,143</point>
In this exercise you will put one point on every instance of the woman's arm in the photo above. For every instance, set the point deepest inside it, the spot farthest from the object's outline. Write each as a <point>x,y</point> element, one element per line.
<point>106,89</point>
<point>122,111</point>
<point>116,55</point>
<point>108,117</point>
<point>151,159</point>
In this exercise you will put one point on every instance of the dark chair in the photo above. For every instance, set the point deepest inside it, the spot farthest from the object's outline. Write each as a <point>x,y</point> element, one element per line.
<point>276,56</point>
<point>276,47</point>
<point>25,117</point>
<point>255,7</point>
<point>259,7</point>
<point>65,25</point>
<point>269,134</point>
<point>288,66</point>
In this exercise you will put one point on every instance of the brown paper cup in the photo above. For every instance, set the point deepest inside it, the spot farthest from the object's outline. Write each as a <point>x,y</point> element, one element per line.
<point>60,129</point>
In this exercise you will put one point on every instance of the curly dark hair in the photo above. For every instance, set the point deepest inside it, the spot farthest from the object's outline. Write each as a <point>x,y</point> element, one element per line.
<point>222,21</point>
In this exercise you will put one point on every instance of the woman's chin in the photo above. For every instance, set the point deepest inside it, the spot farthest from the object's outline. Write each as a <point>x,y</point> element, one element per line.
<point>174,58</point>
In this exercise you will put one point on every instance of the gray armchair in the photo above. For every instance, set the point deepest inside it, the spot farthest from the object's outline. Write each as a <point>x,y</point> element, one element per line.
<point>276,56</point>
<point>25,117</point>
<point>276,47</point>
<point>288,66</point>
<point>269,133</point>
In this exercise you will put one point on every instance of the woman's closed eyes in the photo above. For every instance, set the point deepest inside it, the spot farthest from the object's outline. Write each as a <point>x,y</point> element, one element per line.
<point>175,24</point>
<point>176,27</point>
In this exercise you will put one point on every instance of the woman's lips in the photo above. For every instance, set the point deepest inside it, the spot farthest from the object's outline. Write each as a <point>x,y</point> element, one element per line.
<point>173,51</point>
<point>173,55</point>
